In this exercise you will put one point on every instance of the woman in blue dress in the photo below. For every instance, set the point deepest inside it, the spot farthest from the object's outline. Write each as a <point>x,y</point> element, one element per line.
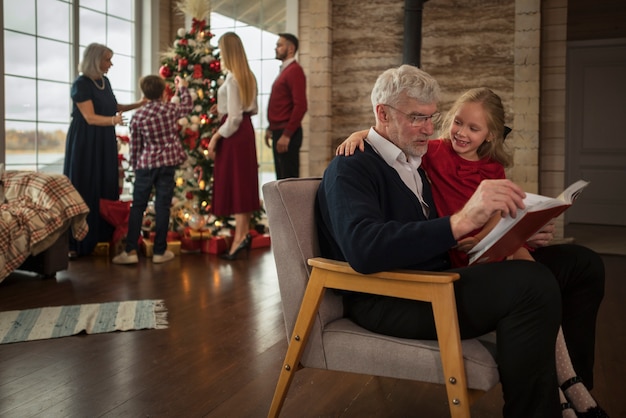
<point>91,147</point>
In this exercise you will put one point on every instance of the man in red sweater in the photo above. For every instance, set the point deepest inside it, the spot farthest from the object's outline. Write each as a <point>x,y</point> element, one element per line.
<point>286,108</point>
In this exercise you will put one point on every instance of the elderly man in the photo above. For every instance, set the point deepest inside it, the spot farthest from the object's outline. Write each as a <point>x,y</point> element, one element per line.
<point>375,211</point>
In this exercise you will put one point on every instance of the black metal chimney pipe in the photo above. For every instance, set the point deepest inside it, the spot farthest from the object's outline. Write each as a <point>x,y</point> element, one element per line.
<point>412,31</point>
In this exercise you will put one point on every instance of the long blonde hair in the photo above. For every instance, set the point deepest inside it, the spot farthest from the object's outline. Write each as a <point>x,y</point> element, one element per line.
<point>234,59</point>
<point>494,115</point>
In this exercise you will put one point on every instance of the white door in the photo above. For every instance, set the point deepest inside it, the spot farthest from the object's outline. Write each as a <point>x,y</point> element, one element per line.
<point>595,139</point>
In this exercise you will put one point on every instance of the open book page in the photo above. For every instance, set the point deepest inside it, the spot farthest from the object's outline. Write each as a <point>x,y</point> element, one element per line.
<point>511,233</point>
<point>570,194</point>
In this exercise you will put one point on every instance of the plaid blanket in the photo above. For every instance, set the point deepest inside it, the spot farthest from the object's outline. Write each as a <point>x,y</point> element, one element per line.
<point>35,210</point>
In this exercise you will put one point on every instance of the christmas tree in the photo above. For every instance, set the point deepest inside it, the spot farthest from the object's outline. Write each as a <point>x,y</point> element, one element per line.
<point>197,60</point>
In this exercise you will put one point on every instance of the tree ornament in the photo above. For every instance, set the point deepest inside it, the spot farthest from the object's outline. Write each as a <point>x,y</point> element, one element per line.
<point>196,221</point>
<point>165,71</point>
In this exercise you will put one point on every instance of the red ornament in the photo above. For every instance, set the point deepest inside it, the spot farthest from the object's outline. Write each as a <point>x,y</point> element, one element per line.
<point>165,71</point>
<point>182,63</point>
<point>183,42</point>
<point>215,66</point>
<point>197,71</point>
<point>189,195</point>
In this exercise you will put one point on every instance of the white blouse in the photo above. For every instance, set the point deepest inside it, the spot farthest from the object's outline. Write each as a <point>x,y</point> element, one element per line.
<point>229,103</point>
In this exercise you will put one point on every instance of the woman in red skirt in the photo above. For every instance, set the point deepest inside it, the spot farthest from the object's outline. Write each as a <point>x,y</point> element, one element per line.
<point>233,148</point>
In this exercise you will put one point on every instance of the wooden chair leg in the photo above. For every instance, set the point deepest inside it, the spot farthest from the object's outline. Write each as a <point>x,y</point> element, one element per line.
<point>444,311</point>
<point>310,304</point>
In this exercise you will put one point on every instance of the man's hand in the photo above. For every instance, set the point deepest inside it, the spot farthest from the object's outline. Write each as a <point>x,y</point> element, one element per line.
<point>283,144</point>
<point>490,197</point>
<point>543,236</point>
<point>268,138</point>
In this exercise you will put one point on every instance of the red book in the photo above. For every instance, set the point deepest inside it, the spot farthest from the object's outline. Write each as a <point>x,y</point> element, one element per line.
<point>511,233</point>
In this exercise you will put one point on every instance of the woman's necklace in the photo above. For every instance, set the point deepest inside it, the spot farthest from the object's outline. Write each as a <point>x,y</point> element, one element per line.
<point>96,84</point>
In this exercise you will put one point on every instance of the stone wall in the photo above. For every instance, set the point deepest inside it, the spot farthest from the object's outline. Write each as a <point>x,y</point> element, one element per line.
<point>465,44</point>
<point>367,39</point>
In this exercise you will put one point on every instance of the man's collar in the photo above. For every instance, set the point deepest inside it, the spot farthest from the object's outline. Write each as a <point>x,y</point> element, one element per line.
<point>389,151</point>
<point>286,63</point>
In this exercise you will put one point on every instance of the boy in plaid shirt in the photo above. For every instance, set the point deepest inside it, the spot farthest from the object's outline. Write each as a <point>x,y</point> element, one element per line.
<point>155,153</point>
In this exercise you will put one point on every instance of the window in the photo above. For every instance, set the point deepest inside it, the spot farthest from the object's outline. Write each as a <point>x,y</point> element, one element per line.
<point>40,59</point>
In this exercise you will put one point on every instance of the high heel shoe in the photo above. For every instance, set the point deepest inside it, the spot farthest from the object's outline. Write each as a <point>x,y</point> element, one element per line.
<point>246,244</point>
<point>594,412</point>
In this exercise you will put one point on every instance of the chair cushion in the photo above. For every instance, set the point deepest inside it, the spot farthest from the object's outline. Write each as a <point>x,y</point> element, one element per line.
<point>350,348</point>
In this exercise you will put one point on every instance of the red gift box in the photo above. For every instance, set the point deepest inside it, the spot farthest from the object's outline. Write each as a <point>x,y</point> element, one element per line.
<point>261,241</point>
<point>171,236</point>
<point>216,245</point>
<point>189,244</point>
<point>191,240</point>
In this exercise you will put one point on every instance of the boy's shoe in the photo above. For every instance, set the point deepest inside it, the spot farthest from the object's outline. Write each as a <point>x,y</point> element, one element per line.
<point>166,256</point>
<point>125,258</point>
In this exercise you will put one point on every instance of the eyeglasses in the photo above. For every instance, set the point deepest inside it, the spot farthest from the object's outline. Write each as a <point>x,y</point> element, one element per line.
<point>418,120</point>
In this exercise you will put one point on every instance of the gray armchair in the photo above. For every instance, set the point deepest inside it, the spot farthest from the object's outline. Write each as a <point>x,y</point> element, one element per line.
<point>320,337</point>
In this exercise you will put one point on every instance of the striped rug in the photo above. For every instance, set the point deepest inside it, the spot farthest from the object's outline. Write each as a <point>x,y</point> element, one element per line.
<point>62,321</point>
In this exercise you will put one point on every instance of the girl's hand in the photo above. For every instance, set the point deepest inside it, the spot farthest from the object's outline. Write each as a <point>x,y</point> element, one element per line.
<point>543,236</point>
<point>357,139</point>
<point>467,244</point>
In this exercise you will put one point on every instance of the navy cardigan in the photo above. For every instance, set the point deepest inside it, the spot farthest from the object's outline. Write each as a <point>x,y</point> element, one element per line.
<point>368,217</point>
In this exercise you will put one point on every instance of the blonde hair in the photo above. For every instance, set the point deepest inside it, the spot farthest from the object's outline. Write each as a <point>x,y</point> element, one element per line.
<point>92,58</point>
<point>494,115</point>
<point>235,60</point>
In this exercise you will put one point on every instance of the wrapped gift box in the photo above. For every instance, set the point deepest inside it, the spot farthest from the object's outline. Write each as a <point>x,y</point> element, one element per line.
<point>102,249</point>
<point>261,241</point>
<point>171,236</point>
<point>191,240</point>
<point>147,247</point>
<point>190,245</point>
<point>216,244</point>
<point>198,235</point>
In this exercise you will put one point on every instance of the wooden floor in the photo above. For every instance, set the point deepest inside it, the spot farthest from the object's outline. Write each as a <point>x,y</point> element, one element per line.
<point>222,352</point>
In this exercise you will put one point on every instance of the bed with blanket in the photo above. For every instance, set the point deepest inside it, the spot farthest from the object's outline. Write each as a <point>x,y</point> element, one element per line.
<point>35,210</point>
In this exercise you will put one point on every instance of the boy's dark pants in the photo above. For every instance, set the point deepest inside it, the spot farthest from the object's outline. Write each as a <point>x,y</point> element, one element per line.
<point>162,179</point>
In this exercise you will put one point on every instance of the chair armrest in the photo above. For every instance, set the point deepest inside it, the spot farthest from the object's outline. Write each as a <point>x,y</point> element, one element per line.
<point>403,275</point>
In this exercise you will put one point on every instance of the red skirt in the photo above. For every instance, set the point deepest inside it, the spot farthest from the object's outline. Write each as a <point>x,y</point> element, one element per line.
<point>235,172</point>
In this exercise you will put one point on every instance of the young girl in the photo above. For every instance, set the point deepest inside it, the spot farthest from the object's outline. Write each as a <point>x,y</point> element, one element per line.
<point>472,151</point>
